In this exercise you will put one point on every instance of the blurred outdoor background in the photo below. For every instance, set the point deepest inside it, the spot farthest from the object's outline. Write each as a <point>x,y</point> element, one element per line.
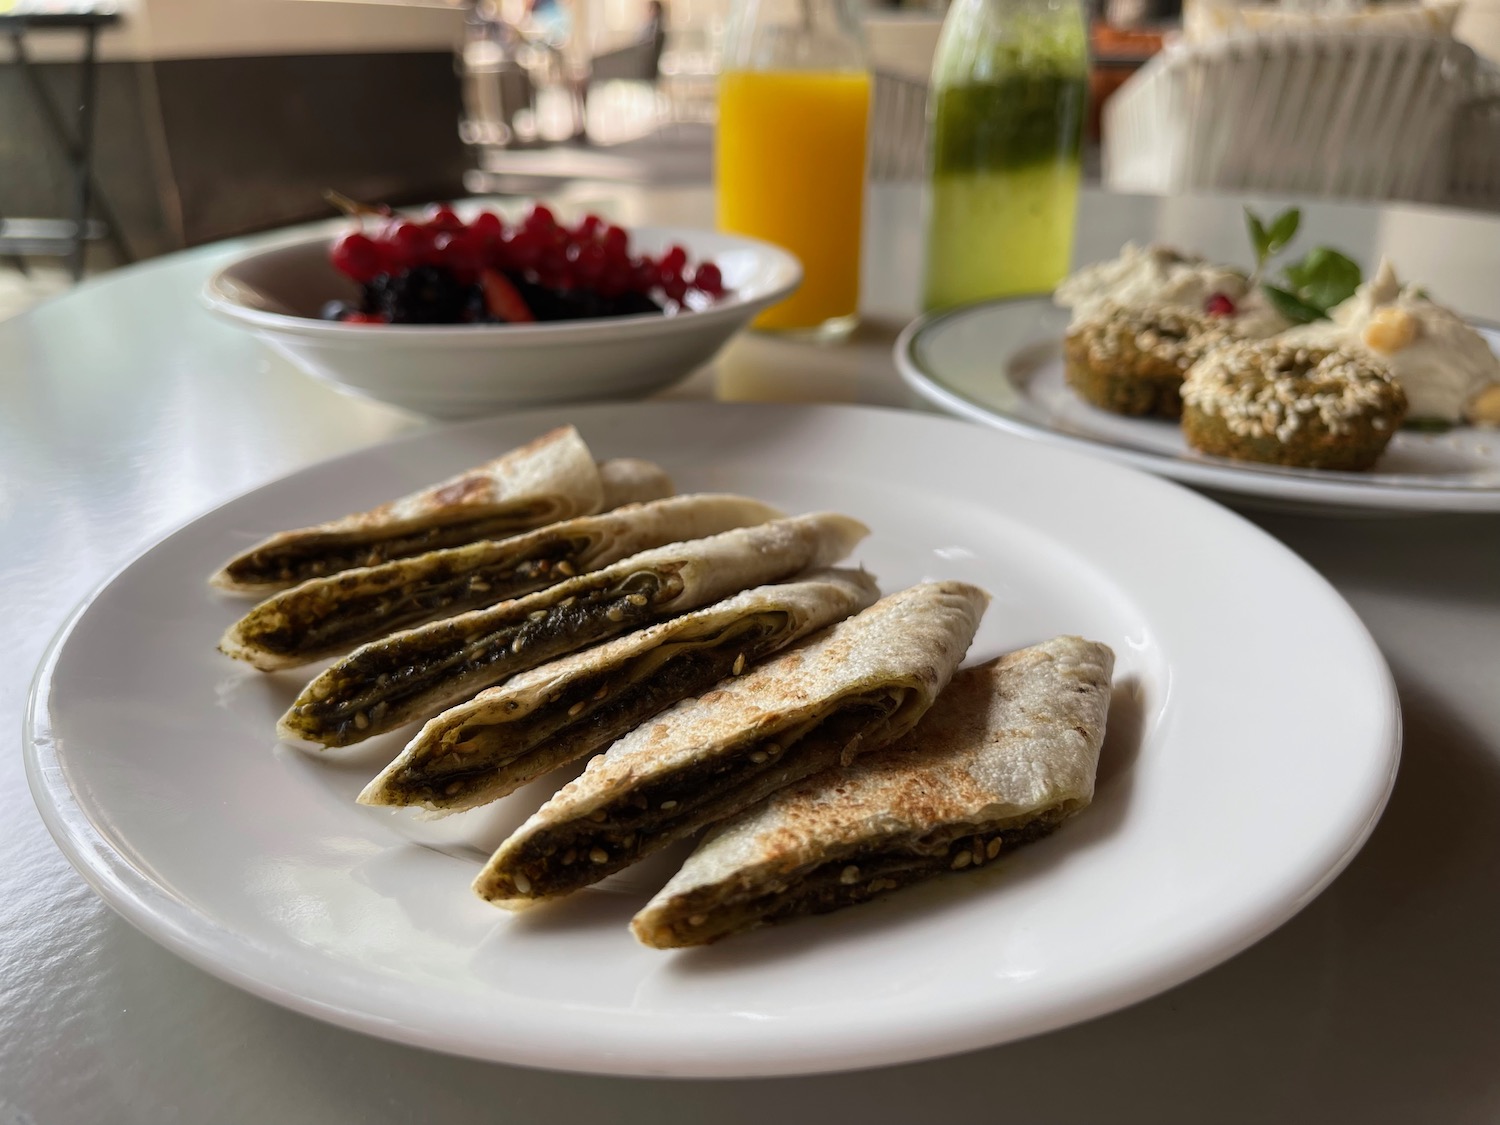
<point>171,123</point>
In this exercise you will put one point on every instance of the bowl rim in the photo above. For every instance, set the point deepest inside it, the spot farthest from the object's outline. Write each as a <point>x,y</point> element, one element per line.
<point>216,295</point>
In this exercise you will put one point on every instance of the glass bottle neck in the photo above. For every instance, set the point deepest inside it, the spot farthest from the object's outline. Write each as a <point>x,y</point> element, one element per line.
<point>814,35</point>
<point>983,39</point>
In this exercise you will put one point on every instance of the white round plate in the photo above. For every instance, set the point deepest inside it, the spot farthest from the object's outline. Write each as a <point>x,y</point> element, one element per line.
<point>1253,740</point>
<point>1000,362</point>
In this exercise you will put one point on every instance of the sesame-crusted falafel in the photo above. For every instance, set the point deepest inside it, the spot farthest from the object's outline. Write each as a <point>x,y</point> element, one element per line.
<point>1132,361</point>
<point>1282,404</point>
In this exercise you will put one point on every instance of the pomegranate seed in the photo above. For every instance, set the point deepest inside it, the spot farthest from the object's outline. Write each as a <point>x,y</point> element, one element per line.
<point>589,227</point>
<point>364,318</point>
<point>674,286</point>
<point>616,244</point>
<point>358,257</point>
<point>676,258</point>
<point>1219,304</point>
<point>708,278</point>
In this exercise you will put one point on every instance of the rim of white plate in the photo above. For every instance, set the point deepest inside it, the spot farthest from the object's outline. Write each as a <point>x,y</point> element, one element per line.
<point>1267,482</point>
<point>607,1046</point>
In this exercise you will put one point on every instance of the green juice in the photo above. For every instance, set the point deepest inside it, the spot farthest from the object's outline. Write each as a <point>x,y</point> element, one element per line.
<point>1003,194</point>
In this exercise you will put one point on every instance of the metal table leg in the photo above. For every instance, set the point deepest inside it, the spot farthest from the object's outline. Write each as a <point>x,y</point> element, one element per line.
<point>78,151</point>
<point>84,151</point>
<point>16,260</point>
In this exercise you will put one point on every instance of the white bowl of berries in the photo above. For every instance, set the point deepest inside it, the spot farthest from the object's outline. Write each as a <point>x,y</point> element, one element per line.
<point>459,319</point>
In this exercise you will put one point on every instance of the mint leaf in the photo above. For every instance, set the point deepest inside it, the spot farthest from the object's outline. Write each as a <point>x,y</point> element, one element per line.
<point>1260,238</point>
<point>1427,425</point>
<point>1283,230</point>
<point>1325,277</point>
<point>1310,287</point>
<point>1269,241</point>
<point>1291,306</point>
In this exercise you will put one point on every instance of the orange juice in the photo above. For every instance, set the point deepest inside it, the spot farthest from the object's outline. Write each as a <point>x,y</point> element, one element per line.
<point>791,170</point>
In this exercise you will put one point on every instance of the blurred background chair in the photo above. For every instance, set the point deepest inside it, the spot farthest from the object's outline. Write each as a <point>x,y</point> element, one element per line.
<point>498,88</point>
<point>898,127</point>
<point>1476,148</point>
<point>634,62</point>
<point>1325,113</point>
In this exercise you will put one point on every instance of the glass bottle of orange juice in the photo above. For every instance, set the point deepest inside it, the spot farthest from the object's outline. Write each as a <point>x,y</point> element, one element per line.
<point>794,106</point>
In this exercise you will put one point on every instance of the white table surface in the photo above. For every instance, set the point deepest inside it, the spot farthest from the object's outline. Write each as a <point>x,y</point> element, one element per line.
<point>125,411</point>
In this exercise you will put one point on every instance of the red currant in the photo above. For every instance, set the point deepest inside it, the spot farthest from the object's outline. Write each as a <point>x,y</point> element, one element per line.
<point>708,278</point>
<point>590,265</point>
<point>489,227</point>
<point>1219,304</point>
<point>554,269</point>
<point>645,276</point>
<point>615,280</point>
<point>444,218</point>
<point>526,248</point>
<point>541,219</point>
<point>501,252</point>
<point>616,244</point>
<point>358,257</point>
<point>413,245</point>
<point>462,252</point>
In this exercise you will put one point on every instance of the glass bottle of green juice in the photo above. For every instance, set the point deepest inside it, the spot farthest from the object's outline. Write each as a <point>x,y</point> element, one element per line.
<point>1005,111</point>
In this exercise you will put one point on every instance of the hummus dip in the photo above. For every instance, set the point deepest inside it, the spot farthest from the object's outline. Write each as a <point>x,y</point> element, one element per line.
<point>1445,367</point>
<point>1149,277</point>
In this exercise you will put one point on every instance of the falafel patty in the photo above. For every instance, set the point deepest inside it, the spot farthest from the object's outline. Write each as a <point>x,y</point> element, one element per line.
<point>1132,361</point>
<point>1282,404</point>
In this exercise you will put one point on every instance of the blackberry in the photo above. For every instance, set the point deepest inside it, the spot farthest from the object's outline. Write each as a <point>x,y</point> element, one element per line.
<point>579,304</point>
<point>476,311</point>
<point>421,295</point>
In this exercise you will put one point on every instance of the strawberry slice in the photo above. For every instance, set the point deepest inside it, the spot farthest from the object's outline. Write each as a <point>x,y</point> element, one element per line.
<point>502,298</point>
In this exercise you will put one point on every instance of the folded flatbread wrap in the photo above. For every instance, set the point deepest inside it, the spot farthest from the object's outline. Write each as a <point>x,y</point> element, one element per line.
<point>417,673</point>
<point>1006,754</point>
<point>853,688</point>
<point>553,478</point>
<point>628,480</point>
<point>506,736</point>
<point>326,616</point>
